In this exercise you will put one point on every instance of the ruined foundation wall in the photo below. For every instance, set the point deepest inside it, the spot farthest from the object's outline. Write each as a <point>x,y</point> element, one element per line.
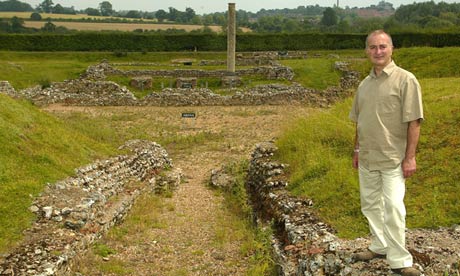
<point>91,89</point>
<point>74,213</point>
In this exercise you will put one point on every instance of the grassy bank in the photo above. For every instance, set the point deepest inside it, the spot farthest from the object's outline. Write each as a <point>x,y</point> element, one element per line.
<point>36,148</point>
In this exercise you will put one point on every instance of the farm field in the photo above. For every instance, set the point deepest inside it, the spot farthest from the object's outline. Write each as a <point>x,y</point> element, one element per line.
<point>26,15</point>
<point>101,26</point>
<point>128,27</point>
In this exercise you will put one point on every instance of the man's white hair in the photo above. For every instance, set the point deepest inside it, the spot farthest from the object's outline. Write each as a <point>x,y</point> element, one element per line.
<point>379,32</point>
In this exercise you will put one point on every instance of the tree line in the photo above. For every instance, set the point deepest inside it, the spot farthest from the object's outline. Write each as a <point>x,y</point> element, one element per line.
<point>417,17</point>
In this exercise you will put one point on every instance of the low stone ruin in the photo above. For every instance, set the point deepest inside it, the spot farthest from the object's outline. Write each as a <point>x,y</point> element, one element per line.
<point>304,245</point>
<point>230,81</point>
<point>7,88</point>
<point>81,92</point>
<point>91,89</point>
<point>275,71</point>
<point>141,82</point>
<point>74,213</point>
<point>259,58</point>
<point>186,83</point>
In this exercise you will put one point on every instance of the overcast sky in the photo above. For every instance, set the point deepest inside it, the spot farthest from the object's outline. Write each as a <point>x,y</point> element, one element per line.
<point>209,6</point>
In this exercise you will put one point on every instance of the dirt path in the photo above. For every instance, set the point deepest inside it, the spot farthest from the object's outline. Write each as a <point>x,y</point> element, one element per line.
<point>195,234</point>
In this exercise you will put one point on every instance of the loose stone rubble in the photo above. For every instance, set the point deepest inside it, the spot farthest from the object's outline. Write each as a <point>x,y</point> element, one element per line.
<point>7,88</point>
<point>306,246</point>
<point>75,212</point>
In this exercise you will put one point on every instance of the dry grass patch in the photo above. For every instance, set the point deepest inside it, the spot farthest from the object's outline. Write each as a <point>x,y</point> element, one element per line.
<point>128,27</point>
<point>26,15</point>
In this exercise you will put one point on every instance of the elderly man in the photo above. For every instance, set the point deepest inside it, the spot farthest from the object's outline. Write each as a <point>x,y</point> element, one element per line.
<point>388,111</point>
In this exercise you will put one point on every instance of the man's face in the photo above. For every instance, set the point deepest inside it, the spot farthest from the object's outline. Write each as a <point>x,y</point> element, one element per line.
<point>379,50</point>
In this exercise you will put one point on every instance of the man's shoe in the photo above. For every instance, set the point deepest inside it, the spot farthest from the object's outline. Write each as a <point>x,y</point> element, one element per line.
<point>367,256</point>
<point>407,271</point>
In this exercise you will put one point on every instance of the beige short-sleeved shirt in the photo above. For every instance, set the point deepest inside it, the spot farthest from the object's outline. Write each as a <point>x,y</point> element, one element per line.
<point>382,108</point>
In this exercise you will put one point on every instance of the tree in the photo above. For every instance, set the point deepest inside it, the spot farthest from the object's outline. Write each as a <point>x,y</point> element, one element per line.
<point>133,14</point>
<point>269,24</point>
<point>189,14</point>
<point>161,15</point>
<point>173,14</point>
<point>148,15</point>
<point>92,12</point>
<point>17,24</point>
<point>208,19</point>
<point>329,17</point>
<point>219,18</point>
<point>58,9</point>
<point>14,5</point>
<point>49,27</point>
<point>35,16</point>
<point>196,20</point>
<point>4,26</point>
<point>106,8</point>
<point>46,6</point>
<point>242,18</point>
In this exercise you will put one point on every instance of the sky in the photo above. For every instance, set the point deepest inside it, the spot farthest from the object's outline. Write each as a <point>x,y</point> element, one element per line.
<point>210,6</point>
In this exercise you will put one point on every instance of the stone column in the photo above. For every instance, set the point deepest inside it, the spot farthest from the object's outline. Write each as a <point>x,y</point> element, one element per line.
<point>231,38</point>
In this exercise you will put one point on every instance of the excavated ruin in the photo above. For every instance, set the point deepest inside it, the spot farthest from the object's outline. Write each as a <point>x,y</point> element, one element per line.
<point>73,213</point>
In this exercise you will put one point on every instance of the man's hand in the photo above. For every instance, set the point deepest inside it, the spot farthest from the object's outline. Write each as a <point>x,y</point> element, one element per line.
<point>409,166</point>
<point>355,160</point>
<point>413,133</point>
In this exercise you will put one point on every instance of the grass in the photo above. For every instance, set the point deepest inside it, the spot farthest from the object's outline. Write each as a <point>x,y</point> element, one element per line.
<point>434,201</point>
<point>131,230</point>
<point>317,73</point>
<point>141,221</point>
<point>234,225</point>
<point>256,241</point>
<point>428,62</point>
<point>317,149</point>
<point>36,148</point>
<point>27,69</point>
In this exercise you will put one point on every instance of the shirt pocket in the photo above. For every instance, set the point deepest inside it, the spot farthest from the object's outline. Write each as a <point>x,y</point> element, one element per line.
<point>389,105</point>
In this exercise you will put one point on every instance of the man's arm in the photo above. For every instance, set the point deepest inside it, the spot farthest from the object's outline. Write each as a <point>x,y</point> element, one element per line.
<point>409,165</point>
<point>356,150</point>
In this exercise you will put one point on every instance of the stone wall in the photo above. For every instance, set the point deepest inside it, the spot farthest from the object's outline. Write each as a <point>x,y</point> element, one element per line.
<point>261,95</point>
<point>81,92</point>
<point>91,89</point>
<point>269,72</point>
<point>305,245</point>
<point>7,88</point>
<point>73,213</point>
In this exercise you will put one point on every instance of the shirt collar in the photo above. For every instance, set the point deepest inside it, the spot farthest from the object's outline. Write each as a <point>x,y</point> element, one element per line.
<point>387,70</point>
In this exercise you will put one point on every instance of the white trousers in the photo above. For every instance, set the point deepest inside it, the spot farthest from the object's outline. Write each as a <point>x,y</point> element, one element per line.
<point>382,203</point>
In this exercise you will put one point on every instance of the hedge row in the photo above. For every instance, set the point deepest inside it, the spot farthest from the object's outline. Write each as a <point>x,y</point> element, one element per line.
<point>207,42</point>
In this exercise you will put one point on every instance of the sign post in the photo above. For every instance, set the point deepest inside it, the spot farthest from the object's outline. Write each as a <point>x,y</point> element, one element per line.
<point>186,117</point>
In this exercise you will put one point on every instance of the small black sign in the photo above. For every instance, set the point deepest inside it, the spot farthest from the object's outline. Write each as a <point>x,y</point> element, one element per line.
<point>188,115</point>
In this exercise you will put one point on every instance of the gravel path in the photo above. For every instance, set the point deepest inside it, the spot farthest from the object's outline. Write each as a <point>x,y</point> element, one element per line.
<point>194,234</point>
